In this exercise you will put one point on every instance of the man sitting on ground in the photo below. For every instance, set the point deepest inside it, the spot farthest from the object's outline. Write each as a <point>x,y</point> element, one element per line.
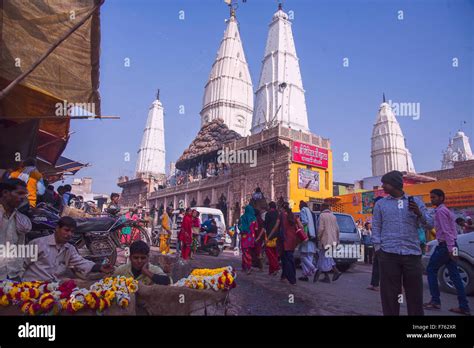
<point>56,255</point>
<point>139,267</point>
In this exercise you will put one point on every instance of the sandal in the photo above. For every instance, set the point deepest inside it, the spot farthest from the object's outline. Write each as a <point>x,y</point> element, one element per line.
<point>373,288</point>
<point>460,311</point>
<point>431,306</point>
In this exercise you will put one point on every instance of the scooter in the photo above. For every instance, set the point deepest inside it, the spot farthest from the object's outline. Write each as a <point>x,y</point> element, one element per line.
<point>100,235</point>
<point>211,243</point>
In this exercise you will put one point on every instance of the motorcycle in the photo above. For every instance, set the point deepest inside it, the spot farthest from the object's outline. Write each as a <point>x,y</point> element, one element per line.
<point>210,242</point>
<point>101,236</point>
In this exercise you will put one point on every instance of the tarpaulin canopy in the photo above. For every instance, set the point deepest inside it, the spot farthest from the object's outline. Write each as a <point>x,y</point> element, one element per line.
<point>64,166</point>
<point>70,74</point>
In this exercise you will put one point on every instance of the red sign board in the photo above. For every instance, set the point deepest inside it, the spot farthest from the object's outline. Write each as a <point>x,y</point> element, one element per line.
<point>310,155</point>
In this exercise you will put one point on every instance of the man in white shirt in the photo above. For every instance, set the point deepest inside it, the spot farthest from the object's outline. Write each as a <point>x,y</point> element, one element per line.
<point>13,225</point>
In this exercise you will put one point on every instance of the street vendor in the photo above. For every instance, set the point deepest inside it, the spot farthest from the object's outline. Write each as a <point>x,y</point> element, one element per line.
<point>139,267</point>
<point>56,255</point>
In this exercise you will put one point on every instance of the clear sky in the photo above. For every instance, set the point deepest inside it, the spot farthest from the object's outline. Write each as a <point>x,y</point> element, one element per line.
<point>410,59</point>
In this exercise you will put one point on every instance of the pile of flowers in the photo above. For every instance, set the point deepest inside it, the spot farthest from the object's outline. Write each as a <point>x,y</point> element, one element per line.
<point>35,298</point>
<point>204,278</point>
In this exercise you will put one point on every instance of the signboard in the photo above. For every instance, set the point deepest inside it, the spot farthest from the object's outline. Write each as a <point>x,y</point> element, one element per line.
<point>308,179</point>
<point>310,155</point>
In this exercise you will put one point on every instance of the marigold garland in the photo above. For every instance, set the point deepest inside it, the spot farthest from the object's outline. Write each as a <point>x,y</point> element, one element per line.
<point>50,298</point>
<point>217,279</point>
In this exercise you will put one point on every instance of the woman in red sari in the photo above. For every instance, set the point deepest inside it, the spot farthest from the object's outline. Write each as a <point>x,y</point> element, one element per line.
<point>247,227</point>
<point>186,234</point>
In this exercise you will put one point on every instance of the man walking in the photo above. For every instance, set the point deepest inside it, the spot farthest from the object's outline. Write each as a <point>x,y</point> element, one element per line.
<point>307,248</point>
<point>328,236</point>
<point>445,254</point>
<point>395,237</point>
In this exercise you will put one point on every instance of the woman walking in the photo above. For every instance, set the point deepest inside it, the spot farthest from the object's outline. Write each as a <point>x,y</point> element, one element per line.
<point>186,235</point>
<point>272,226</point>
<point>247,227</point>
<point>289,226</point>
<point>196,229</point>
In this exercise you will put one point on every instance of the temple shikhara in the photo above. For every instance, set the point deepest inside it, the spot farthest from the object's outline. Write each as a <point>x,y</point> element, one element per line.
<point>389,150</point>
<point>150,167</point>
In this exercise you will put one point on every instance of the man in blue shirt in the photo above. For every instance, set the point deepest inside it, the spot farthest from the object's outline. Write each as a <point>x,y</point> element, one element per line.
<point>395,237</point>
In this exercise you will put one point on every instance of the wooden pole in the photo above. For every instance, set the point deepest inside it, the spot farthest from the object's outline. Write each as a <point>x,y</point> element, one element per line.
<point>20,78</point>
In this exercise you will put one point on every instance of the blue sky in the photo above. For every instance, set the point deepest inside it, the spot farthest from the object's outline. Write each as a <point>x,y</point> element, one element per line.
<point>410,60</point>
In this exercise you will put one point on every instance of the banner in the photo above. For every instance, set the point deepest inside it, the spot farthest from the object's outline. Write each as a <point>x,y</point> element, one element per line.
<point>310,155</point>
<point>308,179</point>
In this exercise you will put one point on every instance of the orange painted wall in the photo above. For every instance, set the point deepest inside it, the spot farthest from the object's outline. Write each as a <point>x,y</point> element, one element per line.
<point>459,193</point>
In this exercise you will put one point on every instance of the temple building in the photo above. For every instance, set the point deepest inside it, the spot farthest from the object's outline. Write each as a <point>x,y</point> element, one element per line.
<point>223,165</point>
<point>150,167</point>
<point>389,151</point>
<point>228,94</point>
<point>279,98</point>
<point>458,150</point>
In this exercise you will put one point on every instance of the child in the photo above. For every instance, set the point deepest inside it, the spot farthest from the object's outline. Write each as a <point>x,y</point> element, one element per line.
<point>139,267</point>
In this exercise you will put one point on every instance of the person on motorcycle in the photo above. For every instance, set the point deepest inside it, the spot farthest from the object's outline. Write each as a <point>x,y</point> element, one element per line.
<point>114,208</point>
<point>13,224</point>
<point>55,256</point>
<point>209,227</point>
<point>140,268</point>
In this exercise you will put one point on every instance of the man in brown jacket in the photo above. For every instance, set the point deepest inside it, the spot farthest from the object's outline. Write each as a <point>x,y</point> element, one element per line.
<point>328,237</point>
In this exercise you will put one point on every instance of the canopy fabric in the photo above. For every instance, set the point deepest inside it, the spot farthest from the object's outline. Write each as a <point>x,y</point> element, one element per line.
<point>29,28</point>
<point>64,166</point>
<point>70,74</point>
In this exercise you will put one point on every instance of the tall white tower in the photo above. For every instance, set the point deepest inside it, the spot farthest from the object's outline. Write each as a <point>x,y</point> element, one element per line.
<point>151,156</point>
<point>389,151</point>
<point>228,93</point>
<point>280,95</point>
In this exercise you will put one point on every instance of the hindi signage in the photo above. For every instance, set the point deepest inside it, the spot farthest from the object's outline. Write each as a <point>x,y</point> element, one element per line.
<point>310,155</point>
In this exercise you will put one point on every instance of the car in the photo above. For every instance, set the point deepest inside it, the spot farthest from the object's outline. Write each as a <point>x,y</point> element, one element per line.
<point>348,237</point>
<point>465,264</point>
<point>204,212</point>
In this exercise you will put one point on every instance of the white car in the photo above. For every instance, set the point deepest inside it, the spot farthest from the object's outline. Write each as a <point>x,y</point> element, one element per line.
<point>465,264</point>
<point>205,213</point>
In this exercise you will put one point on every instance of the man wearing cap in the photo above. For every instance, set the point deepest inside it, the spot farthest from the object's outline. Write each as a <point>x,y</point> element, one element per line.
<point>395,237</point>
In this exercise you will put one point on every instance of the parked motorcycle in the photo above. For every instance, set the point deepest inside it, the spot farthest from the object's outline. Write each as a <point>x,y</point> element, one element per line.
<point>100,235</point>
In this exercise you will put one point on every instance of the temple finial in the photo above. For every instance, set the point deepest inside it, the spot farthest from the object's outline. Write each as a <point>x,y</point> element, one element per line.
<point>384,97</point>
<point>158,94</point>
<point>280,6</point>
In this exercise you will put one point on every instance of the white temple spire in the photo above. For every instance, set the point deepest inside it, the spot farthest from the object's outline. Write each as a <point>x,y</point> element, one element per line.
<point>151,156</point>
<point>228,93</point>
<point>280,98</point>
<point>389,151</point>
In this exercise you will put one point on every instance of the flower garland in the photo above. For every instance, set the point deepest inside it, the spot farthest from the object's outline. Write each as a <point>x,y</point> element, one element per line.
<point>216,279</point>
<point>50,298</point>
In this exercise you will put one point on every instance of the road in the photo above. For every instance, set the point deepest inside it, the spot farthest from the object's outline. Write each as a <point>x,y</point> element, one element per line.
<point>261,294</point>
